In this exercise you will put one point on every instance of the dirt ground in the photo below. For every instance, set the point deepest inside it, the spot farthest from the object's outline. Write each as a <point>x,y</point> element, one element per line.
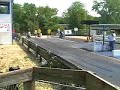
<point>17,55</point>
<point>14,55</point>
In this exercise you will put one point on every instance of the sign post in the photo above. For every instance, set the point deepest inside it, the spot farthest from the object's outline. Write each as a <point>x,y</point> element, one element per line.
<point>75,29</point>
<point>89,23</point>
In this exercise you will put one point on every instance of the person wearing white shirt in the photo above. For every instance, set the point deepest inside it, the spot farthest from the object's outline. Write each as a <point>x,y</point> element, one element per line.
<point>112,39</point>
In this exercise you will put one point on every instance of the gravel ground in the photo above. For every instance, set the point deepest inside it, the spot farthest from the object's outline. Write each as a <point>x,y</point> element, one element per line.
<point>14,55</point>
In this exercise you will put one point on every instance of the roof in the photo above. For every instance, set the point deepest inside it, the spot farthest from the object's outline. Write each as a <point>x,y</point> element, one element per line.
<point>105,27</point>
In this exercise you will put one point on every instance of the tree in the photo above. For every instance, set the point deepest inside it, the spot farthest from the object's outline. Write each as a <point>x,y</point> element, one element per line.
<point>24,17</point>
<point>47,18</point>
<point>75,14</point>
<point>109,11</point>
<point>17,16</point>
<point>30,16</point>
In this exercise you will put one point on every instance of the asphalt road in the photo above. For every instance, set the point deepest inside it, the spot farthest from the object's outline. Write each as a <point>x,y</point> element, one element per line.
<point>106,67</point>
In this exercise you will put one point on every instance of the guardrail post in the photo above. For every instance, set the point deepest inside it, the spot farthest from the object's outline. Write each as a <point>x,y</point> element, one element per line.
<point>40,59</point>
<point>30,85</point>
<point>49,58</point>
<point>22,41</point>
<point>36,51</point>
<point>28,45</point>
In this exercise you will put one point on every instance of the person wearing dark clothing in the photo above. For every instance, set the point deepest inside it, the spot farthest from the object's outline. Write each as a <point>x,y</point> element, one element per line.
<point>61,34</point>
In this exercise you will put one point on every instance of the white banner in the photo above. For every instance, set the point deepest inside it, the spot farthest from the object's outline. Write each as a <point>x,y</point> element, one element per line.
<point>68,32</point>
<point>5,27</point>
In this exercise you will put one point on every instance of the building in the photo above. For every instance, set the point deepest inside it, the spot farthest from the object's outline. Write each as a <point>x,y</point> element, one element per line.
<point>6,21</point>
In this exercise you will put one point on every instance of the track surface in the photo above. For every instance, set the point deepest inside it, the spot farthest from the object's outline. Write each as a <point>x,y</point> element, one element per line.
<point>106,67</point>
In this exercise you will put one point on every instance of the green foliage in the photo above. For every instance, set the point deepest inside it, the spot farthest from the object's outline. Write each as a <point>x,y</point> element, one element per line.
<point>109,11</point>
<point>29,17</point>
<point>75,14</point>
<point>17,16</point>
<point>47,18</point>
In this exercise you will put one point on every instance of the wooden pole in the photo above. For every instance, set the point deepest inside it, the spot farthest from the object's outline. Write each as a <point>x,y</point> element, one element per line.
<point>30,85</point>
<point>28,45</point>
<point>36,51</point>
<point>22,41</point>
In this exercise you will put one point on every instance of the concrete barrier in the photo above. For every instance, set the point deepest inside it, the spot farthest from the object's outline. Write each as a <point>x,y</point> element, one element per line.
<point>116,53</point>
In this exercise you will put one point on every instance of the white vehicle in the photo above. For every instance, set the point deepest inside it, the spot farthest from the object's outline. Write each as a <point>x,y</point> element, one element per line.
<point>6,21</point>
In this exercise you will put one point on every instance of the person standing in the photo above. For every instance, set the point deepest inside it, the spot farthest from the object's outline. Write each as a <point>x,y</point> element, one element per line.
<point>14,34</point>
<point>39,32</point>
<point>49,32</point>
<point>112,39</point>
<point>35,33</point>
<point>29,34</point>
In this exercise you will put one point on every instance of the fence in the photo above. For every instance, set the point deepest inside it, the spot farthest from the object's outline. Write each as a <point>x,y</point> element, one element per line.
<point>80,79</point>
<point>100,38</point>
<point>47,55</point>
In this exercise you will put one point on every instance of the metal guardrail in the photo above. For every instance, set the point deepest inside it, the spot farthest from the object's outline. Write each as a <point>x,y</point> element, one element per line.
<point>47,55</point>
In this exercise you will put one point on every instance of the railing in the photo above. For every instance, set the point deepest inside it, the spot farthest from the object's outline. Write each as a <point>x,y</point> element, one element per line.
<point>100,38</point>
<point>80,79</point>
<point>47,55</point>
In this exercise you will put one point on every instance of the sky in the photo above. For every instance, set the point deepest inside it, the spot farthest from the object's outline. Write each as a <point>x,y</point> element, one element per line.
<point>61,5</point>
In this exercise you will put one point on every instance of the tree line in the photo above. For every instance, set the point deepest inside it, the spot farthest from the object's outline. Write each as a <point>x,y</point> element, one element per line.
<point>28,17</point>
<point>109,11</point>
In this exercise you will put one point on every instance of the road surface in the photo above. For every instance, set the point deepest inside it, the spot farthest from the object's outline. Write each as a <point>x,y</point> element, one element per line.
<point>106,67</point>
